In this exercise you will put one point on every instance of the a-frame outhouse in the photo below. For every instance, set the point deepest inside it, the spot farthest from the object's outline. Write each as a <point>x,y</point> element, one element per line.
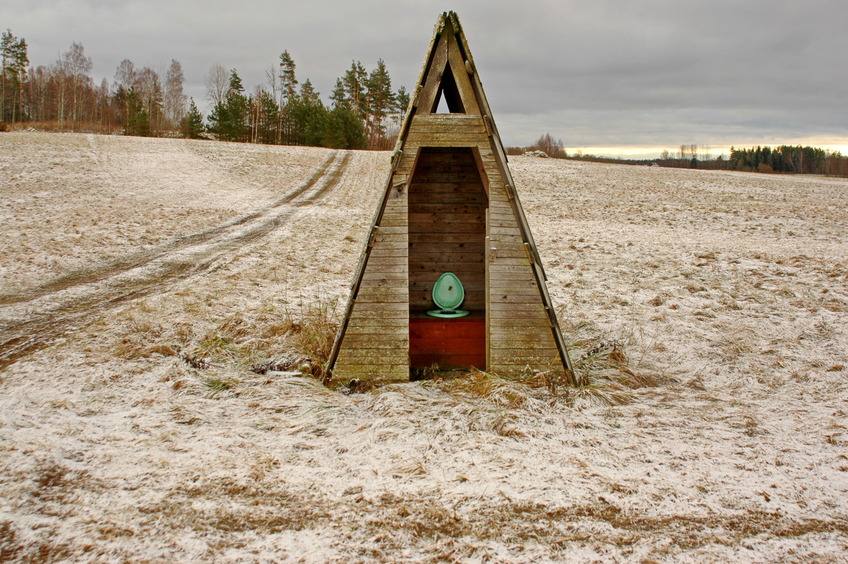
<point>449,205</point>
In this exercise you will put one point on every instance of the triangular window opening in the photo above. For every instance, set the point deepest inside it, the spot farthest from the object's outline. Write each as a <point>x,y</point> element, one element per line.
<point>448,100</point>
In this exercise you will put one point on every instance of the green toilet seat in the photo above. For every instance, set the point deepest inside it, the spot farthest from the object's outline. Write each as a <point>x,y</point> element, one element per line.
<point>448,294</point>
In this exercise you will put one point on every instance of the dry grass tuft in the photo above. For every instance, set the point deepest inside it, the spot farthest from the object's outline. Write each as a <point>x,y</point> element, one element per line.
<point>260,341</point>
<point>312,330</point>
<point>51,474</point>
<point>55,482</point>
<point>142,337</point>
<point>132,348</point>
<point>10,546</point>
<point>238,505</point>
<point>606,376</point>
<point>296,340</point>
<point>476,384</point>
<point>219,384</point>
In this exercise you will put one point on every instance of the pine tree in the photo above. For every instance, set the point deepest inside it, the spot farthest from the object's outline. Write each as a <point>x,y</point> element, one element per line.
<point>354,88</point>
<point>237,106</point>
<point>338,95</point>
<point>288,81</point>
<point>6,42</point>
<point>138,121</point>
<point>264,117</point>
<point>344,130</point>
<point>229,118</point>
<point>13,77</point>
<point>401,101</point>
<point>380,100</point>
<point>191,125</point>
<point>307,119</point>
<point>307,91</point>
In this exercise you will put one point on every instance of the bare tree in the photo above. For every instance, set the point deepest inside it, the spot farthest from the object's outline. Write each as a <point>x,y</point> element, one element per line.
<point>125,75</point>
<point>102,110</point>
<point>175,98</point>
<point>271,79</point>
<point>77,68</point>
<point>37,83</point>
<point>216,84</point>
<point>149,88</point>
<point>550,146</point>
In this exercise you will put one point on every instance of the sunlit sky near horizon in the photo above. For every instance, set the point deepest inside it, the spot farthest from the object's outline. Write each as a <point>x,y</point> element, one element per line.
<point>608,77</point>
<point>636,152</point>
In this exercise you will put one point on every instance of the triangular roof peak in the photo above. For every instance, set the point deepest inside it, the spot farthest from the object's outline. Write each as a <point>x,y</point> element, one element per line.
<point>446,72</point>
<point>450,75</point>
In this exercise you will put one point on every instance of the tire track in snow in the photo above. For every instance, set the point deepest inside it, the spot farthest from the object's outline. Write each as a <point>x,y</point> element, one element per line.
<point>146,273</point>
<point>136,260</point>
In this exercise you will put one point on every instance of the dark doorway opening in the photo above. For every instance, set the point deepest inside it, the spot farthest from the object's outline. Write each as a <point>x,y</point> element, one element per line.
<point>447,233</point>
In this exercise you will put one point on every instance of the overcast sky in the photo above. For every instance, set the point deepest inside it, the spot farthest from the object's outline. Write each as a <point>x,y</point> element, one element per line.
<point>608,76</point>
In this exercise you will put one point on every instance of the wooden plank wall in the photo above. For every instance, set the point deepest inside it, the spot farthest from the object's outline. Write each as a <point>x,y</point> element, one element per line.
<point>447,226</point>
<point>376,343</point>
<point>519,328</point>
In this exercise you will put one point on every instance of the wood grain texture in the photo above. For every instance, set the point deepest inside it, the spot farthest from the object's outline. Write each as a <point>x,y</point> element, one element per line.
<point>375,344</point>
<point>449,343</point>
<point>446,237</point>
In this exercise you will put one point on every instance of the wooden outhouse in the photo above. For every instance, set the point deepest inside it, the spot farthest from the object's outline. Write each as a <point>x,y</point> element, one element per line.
<point>449,205</point>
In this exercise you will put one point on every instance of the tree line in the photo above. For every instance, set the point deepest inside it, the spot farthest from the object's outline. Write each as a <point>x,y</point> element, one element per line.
<point>63,95</point>
<point>797,159</point>
<point>782,159</point>
<point>364,110</point>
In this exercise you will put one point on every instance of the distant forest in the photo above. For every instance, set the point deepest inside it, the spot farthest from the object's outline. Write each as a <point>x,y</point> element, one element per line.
<point>785,158</point>
<point>365,112</point>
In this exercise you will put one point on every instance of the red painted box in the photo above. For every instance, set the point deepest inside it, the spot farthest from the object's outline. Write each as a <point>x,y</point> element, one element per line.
<point>449,343</point>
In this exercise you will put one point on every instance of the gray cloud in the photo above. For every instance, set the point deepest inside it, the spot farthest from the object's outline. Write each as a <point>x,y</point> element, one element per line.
<point>601,73</point>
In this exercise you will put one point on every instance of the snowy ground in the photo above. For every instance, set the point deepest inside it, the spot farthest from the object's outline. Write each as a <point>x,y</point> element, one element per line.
<point>141,279</point>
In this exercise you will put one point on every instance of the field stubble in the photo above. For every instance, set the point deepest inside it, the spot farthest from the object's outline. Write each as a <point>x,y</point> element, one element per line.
<point>709,310</point>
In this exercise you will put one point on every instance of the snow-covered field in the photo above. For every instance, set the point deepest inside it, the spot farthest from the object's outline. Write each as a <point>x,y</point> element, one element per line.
<point>142,279</point>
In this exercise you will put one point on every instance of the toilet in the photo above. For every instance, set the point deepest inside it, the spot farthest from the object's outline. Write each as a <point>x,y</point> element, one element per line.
<point>448,295</point>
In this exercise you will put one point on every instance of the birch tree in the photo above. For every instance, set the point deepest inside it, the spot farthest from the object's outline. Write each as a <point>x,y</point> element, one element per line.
<point>77,68</point>
<point>175,98</point>
<point>216,84</point>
